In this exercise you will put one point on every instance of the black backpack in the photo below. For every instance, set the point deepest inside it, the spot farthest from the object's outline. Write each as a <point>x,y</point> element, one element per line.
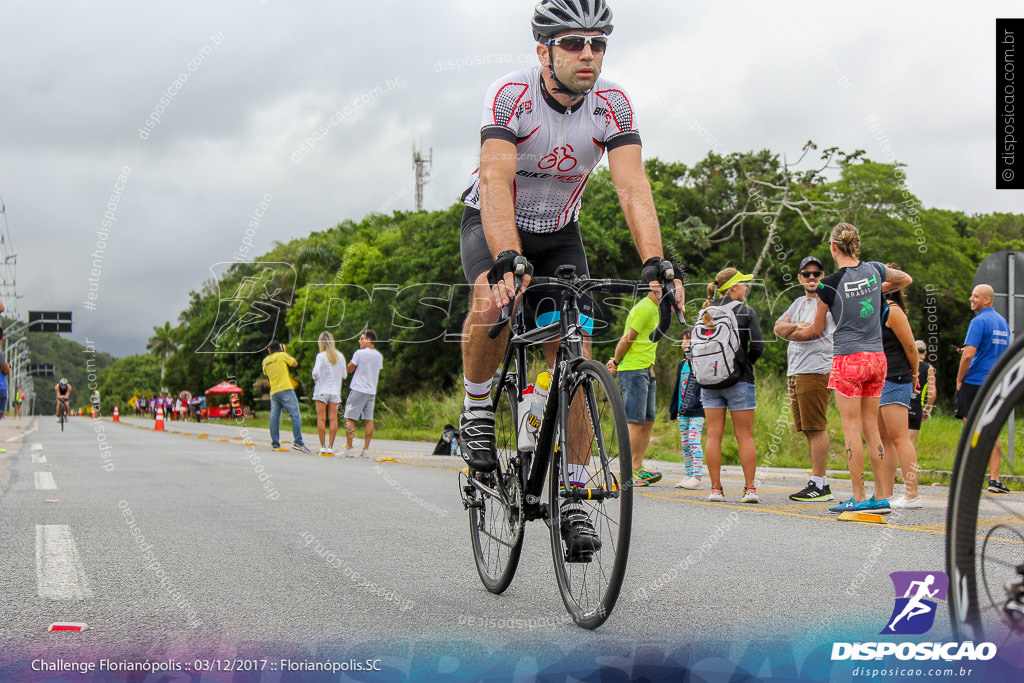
<point>444,444</point>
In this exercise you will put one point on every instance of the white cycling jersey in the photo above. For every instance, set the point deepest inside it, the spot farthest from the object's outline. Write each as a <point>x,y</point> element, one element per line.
<point>557,147</point>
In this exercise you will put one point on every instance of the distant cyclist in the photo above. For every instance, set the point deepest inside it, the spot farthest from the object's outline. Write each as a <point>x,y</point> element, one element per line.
<point>63,391</point>
<point>544,130</point>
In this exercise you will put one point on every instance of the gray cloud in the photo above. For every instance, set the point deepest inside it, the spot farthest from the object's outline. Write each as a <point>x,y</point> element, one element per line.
<point>79,82</point>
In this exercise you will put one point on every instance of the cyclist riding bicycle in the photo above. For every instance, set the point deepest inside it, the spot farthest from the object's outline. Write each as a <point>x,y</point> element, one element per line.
<point>63,391</point>
<point>544,130</point>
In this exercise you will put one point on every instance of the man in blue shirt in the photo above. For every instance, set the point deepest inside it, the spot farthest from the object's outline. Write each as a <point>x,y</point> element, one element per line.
<point>988,336</point>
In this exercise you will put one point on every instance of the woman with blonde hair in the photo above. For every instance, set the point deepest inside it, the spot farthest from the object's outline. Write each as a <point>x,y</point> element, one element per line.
<point>736,396</point>
<point>853,295</point>
<point>328,372</point>
<point>901,380</point>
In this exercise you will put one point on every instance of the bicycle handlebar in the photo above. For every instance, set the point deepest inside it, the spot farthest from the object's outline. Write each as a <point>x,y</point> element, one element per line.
<point>611,286</point>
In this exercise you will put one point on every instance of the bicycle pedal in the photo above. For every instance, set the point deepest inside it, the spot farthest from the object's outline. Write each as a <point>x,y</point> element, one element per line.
<point>579,556</point>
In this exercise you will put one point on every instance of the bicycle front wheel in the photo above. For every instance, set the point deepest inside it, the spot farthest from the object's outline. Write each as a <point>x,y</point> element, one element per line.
<point>592,432</point>
<point>496,505</point>
<point>985,537</point>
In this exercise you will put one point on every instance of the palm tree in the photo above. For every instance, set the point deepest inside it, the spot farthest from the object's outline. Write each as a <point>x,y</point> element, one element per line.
<point>162,344</point>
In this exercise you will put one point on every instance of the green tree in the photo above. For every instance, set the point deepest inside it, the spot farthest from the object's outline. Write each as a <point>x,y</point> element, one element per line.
<point>129,376</point>
<point>162,345</point>
<point>759,211</point>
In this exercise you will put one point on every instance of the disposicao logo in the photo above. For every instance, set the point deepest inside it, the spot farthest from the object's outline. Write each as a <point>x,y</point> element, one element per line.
<point>914,612</point>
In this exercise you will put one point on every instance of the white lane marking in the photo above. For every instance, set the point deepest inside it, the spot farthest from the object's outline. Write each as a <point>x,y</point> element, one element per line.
<point>37,447</point>
<point>14,438</point>
<point>45,481</point>
<point>59,573</point>
<point>38,458</point>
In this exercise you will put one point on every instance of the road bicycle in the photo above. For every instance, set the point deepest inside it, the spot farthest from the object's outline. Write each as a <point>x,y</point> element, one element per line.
<point>985,538</point>
<point>584,421</point>
<point>62,412</point>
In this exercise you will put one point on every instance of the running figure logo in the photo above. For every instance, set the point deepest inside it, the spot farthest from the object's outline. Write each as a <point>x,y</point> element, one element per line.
<point>914,612</point>
<point>256,306</point>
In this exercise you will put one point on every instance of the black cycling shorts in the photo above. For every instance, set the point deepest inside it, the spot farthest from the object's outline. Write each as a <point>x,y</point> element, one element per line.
<point>545,251</point>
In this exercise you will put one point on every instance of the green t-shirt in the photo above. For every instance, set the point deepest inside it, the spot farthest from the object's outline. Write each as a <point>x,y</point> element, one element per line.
<point>643,318</point>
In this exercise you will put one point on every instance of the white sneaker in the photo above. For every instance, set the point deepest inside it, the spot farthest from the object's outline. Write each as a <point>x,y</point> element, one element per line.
<point>364,454</point>
<point>902,503</point>
<point>717,495</point>
<point>692,483</point>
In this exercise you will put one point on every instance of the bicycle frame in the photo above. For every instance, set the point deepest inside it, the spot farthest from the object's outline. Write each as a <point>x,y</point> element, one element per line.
<point>570,353</point>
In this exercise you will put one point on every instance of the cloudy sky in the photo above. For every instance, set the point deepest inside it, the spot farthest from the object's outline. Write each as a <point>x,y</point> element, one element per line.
<point>367,81</point>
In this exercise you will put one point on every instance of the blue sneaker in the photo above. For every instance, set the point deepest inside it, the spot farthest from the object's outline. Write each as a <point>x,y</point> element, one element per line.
<point>880,507</point>
<point>852,506</point>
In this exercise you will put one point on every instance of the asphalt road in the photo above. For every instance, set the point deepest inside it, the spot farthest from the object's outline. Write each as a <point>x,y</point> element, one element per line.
<point>169,545</point>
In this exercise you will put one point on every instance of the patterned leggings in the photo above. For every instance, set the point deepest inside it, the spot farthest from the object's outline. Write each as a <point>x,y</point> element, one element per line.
<point>690,429</point>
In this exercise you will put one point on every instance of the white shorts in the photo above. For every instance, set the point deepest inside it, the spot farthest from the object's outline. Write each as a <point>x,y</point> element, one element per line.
<point>327,398</point>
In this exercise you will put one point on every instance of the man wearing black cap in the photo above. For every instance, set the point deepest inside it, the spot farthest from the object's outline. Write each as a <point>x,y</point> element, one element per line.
<point>809,364</point>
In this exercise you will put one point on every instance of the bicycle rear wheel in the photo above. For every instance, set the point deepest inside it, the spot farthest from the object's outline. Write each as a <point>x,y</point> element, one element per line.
<point>496,515</point>
<point>592,428</point>
<point>985,538</point>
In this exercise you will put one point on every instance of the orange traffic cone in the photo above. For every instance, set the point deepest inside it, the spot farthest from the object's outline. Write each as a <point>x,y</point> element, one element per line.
<point>159,426</point>
<point>115,417</point>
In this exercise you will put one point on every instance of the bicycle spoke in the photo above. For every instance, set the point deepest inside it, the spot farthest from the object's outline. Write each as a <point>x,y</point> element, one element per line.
<point>999,503</point>
<point>1010,565</point>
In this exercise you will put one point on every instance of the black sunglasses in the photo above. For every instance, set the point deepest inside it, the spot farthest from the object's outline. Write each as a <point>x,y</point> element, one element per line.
<point>811,273</point>
<point>575,43</point>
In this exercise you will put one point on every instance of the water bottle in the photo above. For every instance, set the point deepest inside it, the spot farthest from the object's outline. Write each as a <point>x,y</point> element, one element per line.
<point>531,411</point>
<point>540,399</point>
<point>527,438</point>
<point>455,445</point>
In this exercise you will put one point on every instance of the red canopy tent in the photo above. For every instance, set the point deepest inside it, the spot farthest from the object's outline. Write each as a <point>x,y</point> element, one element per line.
<point>220,411</point>
<point>224,388</point>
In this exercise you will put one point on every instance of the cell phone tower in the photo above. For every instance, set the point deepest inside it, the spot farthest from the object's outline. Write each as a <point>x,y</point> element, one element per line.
<point>422,165</point>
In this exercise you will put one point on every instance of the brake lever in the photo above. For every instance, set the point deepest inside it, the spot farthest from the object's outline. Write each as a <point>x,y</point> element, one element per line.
<point>666,304</point>
<point>522,268</point>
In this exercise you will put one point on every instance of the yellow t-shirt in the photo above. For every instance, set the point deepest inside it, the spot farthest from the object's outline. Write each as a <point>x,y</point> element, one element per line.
<point>275,366</point>
<point>643,318</point>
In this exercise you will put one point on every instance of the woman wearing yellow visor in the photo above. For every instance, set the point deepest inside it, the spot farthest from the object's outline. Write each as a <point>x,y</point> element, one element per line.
<point>736,392</point>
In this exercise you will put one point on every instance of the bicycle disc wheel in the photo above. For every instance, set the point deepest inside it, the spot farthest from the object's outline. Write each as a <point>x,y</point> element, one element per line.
<point>985,537</point>
<point>592,428</point>
<point>496,519</point>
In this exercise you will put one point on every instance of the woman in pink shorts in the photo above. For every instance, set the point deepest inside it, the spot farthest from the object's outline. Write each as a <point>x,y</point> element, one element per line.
<point>853,295</point>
